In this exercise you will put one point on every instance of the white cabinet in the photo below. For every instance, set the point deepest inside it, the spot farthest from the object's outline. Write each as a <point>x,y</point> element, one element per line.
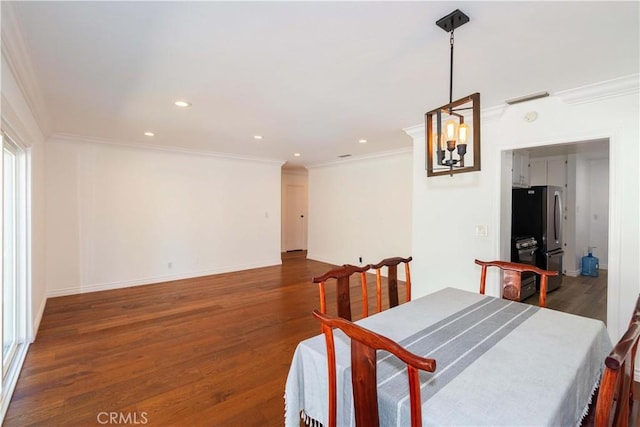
<point>557,172</point>
<point>520,177</point>
<point>538,172</point>
<point>548,171</point>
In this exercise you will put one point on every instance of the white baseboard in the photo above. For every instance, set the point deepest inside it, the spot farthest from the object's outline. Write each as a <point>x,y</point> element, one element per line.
<point>576,273</point>
<point>82,289</point>
<point>321,258</point>
<point>329,260</point>
<point>37,319</point>
<point>572,273</point>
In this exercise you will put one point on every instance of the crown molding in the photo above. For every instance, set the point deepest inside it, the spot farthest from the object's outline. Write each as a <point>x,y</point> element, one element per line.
<point>621,86</point>
<point>493,113</point>
<point>416,131</point>
<point>626,85</point>
<point>352,159</point>
<point>14,50</point>
<point>63,137</point>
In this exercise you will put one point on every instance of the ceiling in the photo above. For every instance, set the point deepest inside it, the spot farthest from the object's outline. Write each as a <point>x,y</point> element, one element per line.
<point>309,77</point>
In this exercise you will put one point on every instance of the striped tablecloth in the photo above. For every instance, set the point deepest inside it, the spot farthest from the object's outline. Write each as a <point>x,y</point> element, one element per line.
<point>499,363</point>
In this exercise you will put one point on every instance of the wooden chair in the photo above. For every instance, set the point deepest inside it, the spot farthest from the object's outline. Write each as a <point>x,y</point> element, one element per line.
<point>364,344</point>
<point>342,276</point>
<point>512,278</point>
<point>614,406</point>
<point>392,280</point>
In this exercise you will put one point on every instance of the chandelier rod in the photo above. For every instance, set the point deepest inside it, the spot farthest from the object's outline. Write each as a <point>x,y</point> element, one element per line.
<point>451,70</point>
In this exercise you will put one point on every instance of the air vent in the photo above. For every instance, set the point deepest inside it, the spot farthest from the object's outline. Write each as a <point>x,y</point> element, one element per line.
<point>344,155</point>
<point>526,98</point>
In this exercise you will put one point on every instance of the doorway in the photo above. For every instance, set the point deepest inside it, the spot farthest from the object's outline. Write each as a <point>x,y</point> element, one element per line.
<point>295,218</point>
<point>294,210</point>
<point>582,170</point>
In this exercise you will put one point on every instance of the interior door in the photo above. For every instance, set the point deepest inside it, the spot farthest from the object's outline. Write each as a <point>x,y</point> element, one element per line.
<point>296,218</point>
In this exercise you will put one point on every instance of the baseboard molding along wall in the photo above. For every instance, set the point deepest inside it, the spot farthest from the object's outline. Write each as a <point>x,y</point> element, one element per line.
<point>37,319</point>
<point>74,290</point>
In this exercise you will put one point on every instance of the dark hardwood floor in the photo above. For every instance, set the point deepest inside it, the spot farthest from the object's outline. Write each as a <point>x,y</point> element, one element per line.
<point>583,295</point>
<point>209,351</point>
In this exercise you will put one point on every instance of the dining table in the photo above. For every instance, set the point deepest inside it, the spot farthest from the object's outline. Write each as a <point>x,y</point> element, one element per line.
<point>498,363</point>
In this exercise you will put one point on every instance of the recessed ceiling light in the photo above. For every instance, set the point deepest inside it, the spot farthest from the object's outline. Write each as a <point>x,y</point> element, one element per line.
<point>296,154</point>
<point>182,104</point>
<point>257,136</point>
<point>149,134</point>
<point>362,141</point>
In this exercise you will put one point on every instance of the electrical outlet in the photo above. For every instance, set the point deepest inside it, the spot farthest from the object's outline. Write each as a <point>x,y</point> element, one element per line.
<point>481,230</point>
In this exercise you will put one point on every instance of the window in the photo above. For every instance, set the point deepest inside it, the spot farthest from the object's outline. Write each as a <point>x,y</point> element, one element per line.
<point>14,308</point>
<point>9,291</point>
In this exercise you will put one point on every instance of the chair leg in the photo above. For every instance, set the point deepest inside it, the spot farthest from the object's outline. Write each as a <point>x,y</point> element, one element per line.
<point>365,295</point>
<point>407,272</point>
<point>543,291</point>
<point>483,279</point>
<point>378,290</point>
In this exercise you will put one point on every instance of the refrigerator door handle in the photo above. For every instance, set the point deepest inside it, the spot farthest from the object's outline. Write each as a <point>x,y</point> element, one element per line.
<point>557,217</point>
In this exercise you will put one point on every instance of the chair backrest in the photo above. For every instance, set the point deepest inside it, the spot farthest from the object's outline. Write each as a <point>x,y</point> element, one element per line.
<point>512,278</point>
<point>342,276</point>
<point>615,396</point>
<point>364,345</point>
<point>392,280</point>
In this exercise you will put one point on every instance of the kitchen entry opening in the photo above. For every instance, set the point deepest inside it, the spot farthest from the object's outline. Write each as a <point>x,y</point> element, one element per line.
<point>579,174</point>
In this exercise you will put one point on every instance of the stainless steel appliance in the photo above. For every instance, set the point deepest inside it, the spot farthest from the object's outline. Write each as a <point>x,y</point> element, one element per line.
<point>523,250</point>
<point>537,212</point>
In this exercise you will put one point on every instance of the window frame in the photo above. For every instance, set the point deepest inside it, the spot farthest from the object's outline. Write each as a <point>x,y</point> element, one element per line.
<point>22,262</point>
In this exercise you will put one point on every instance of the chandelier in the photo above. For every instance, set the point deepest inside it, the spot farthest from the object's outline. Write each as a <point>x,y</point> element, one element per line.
<point>451,128</point>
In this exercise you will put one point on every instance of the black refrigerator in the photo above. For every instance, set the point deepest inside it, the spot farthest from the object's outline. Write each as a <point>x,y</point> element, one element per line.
<point>537,212</point>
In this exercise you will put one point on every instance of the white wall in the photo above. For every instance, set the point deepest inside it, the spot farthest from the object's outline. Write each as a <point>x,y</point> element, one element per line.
<point>121,216</point>
<point>447,209</point>
<point>599,209</point>
<point>361,208</point>
<point>19,121</point>
<point>581,225</point>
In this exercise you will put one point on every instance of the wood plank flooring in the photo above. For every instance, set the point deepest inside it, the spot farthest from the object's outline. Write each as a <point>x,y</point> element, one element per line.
<point>209,351</point>
<point>583,295</point>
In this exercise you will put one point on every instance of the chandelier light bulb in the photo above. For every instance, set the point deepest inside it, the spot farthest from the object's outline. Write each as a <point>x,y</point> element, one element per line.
<point>450,130</point>
<point>463,133</point>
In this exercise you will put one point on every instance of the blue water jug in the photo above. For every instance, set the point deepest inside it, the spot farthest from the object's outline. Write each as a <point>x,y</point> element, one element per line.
<point>590,265</point>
